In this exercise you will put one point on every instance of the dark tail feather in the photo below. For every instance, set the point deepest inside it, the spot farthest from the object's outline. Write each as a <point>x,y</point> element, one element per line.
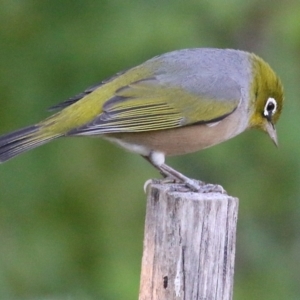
<point>22,140</point>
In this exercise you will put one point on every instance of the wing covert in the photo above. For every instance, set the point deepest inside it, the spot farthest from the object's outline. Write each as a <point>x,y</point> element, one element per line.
<point>152,104</point>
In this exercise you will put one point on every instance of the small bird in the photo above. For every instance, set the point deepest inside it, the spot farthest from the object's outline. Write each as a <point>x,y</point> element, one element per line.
<point>176,103</point>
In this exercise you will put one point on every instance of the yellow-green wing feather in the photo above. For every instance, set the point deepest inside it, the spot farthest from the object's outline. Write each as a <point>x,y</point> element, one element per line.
<point>147,105</point>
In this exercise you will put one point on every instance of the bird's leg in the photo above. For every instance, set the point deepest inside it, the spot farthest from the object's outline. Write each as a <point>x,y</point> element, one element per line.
<point>167,171</point>
<point>165,174</point>
<point>171,174</point>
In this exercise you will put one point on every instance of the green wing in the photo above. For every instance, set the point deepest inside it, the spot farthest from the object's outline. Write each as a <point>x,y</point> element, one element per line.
<point>148,104</point>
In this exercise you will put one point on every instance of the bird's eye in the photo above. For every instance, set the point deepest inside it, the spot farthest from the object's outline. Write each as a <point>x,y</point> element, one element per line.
<point>270,108</point>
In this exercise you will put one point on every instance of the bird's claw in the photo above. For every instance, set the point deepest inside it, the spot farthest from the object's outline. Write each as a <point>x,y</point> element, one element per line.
<point>187,186</point>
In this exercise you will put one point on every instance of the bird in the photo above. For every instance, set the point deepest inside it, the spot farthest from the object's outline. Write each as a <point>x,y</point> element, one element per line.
<point>176,103</point>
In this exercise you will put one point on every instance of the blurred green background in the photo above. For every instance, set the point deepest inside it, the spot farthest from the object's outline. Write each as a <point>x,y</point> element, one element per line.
<point>72,212</point>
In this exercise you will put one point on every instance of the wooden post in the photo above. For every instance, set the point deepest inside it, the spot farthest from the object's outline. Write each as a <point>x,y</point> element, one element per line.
<point>189,245</point>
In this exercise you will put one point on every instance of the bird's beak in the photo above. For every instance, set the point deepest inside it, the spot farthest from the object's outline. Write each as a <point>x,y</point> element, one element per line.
<point>271,130</point>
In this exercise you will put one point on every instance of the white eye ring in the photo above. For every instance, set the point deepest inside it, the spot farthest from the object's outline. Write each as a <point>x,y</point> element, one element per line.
<point>270,107</point>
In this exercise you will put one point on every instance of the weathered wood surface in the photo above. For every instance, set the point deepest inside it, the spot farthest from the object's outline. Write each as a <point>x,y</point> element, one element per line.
<point>189,245</point>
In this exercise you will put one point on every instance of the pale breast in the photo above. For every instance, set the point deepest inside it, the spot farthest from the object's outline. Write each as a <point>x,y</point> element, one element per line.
<point>181,140</point>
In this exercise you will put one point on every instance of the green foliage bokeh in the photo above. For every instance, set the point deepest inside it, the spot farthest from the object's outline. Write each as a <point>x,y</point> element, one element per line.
<point>72,212</point>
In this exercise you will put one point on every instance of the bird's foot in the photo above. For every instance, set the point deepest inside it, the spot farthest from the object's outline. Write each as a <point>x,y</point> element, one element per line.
<point>200,187</point>
<point>187,185</point>
<point>183,183</point>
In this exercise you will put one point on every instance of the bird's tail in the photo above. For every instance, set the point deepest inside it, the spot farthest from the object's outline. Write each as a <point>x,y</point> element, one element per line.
<point>24,139</point>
